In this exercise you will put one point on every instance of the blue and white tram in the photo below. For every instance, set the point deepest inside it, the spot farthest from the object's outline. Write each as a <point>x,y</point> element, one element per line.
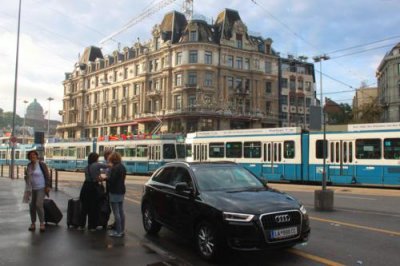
<point>69,156</point>
<point>144,156</point>
<point>20,151</point>
<point>140,156</point>
<point>365,154</point>
<point>270,153</point>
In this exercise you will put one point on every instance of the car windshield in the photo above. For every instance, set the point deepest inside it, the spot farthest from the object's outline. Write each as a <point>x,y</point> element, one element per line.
<point>226,177</point>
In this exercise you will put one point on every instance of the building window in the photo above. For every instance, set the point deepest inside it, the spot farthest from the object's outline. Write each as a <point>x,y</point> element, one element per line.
<point>114,93</point>
<point>229,81</point>
<point>115,76</point>
<point>125,73</point>
<point>124,110</point>
<point>97,81</point>
<point>114,112</point>
<point>247,63</point>
<point>178,79</point>
<point>125,91</point>
<point>292,83</point>
<point>208,58</point>
<point>193,36</point>
<point>192,78</point>
<point>157,43</point>
<point>239,62</point>
<point>300,84</point>
<point>284,100</point>
<point>308,85</point>
<point>178,102</point>
<point>239,83</point>
<point>178,58</point>
<point>95,98</point>
<point>268,87</point>
<point>308,102</point>
<point>229,60</point>
<point>268,107</point>
<point>239,41</point>
<point>95,116</point>
<point>192,57</point>
<point>136,89</point>
<point>137,70</point>
<point>135,108</point>
<point>104,113</point>
<point>191,102</point>
<point>268,67</point>
<point>257,64</point>
<point>208,79</point>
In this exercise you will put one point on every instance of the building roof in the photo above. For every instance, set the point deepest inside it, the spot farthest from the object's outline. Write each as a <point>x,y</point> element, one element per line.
<point>90,54</point>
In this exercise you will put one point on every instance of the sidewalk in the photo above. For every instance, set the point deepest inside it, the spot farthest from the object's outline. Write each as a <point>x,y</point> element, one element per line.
<point>60,245</point>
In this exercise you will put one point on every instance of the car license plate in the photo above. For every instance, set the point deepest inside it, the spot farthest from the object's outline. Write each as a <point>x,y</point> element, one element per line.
<point>284,233</point>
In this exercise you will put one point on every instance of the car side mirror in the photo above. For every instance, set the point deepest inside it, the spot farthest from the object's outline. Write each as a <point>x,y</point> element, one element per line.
<point>183,188</point>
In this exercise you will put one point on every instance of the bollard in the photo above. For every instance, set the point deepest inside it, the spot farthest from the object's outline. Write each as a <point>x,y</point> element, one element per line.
<point>56,185</point>
<point>2,170</point>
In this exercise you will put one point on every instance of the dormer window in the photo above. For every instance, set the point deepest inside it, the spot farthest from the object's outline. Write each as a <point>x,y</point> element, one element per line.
<point>239,41</point>
<point>193,36</point>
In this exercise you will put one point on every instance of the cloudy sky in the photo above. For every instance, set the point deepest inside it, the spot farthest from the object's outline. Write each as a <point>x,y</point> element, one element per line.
<point>356,34</point>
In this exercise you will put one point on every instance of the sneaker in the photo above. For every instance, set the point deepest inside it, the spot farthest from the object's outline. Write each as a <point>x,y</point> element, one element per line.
<point>115,234</point>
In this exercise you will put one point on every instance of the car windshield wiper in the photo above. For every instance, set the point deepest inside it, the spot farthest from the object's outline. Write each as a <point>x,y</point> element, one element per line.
<point>256,189</point>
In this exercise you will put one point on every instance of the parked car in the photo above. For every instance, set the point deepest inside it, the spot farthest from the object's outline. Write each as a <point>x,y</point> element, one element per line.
<point>219,205</point>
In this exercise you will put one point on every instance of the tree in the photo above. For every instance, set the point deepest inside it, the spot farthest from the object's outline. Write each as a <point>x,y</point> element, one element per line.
<point>342,115</point>
<point>6,119</point>
<point>370,112</point>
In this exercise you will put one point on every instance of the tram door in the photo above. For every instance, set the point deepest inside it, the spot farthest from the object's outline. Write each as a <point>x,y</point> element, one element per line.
<point>340,161</point>
<point>154,157</point>
<point>200,152</point>
<point>272,169</point>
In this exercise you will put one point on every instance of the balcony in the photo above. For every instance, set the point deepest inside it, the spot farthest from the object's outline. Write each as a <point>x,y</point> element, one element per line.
<point>154,93</point>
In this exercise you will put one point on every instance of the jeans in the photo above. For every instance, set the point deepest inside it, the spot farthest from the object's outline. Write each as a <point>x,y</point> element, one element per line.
<point>119,216</point>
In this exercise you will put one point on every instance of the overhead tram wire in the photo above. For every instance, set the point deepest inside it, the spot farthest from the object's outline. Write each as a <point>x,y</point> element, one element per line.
<point>363,51</point>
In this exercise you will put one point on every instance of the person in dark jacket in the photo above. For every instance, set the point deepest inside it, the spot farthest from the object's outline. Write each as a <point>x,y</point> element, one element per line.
<point>116,186</point>
<point>37,185</point>
<point>89,193</point>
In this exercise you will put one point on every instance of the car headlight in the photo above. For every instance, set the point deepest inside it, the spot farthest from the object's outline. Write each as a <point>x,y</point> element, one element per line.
<point>237,217</point>
<point>303,209</point>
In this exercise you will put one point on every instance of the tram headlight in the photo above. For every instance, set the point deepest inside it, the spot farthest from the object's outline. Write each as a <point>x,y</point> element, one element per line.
<point>303,209</point>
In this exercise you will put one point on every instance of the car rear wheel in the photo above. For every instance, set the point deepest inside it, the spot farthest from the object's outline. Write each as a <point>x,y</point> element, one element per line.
<point>208,244</point>
<point>150,225</point>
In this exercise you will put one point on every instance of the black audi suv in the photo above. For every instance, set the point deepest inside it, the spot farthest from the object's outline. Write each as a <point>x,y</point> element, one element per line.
<point>221,205</point>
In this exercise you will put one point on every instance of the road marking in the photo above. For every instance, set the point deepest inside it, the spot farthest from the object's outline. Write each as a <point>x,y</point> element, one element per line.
<point>356,226</point>
<point>314,258</point>
<point>351,197</point>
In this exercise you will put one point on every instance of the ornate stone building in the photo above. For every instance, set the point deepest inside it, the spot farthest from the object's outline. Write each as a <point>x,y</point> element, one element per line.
<point>190,76</point>
<point>297,92</point>
<point>388,75</point>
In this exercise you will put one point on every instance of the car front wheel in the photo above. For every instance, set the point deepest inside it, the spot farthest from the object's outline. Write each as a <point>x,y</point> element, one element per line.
<point>150,225</point>
<point>207,241</point>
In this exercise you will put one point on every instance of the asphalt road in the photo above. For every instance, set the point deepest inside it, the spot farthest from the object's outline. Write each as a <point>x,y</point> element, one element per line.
<point>364,228</point>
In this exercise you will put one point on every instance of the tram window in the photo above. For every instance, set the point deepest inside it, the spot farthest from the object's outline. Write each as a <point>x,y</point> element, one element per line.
<point>368,149</point>
<point>350,152</point>
<point>233,150</point>
<point>17,154</point>
<point>57,151</point>
<point>216,150</point>
<point>180,148</point>
<point>120,150</point>
<point>269,152</point>
<point>337,152</point>
<point>101,150</point>
<point>391,148</point>
<point>279,152</point>
<point>72,151</point>
<point>130,152</point>
<point>169,151</point>
<point>188,150</point>
<point>332,152</point>
<point>142,151</point>
<point>87,151</point>
<point>288,151</point>
<point>319,149</point>
<point>64,152</point>
<point>345,152</point>
<point>252,149</point>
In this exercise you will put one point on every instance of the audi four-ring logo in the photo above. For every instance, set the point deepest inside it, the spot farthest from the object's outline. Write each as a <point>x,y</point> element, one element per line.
<point>284,218</point>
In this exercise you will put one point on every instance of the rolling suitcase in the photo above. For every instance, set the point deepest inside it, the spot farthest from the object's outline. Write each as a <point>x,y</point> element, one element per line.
<point>104,212</point>
<point>52,213</point>
<point>74,213</point>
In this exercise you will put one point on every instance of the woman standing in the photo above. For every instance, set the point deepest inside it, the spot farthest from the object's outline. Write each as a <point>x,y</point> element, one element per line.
<point>37,179</point>
<point>89,194</point>
<point>116,186</point>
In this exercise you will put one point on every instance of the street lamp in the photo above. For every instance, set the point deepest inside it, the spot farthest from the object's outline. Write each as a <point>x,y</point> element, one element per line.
<point>48,118</point>
<point>13,139</point>
<point>324,197</point>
